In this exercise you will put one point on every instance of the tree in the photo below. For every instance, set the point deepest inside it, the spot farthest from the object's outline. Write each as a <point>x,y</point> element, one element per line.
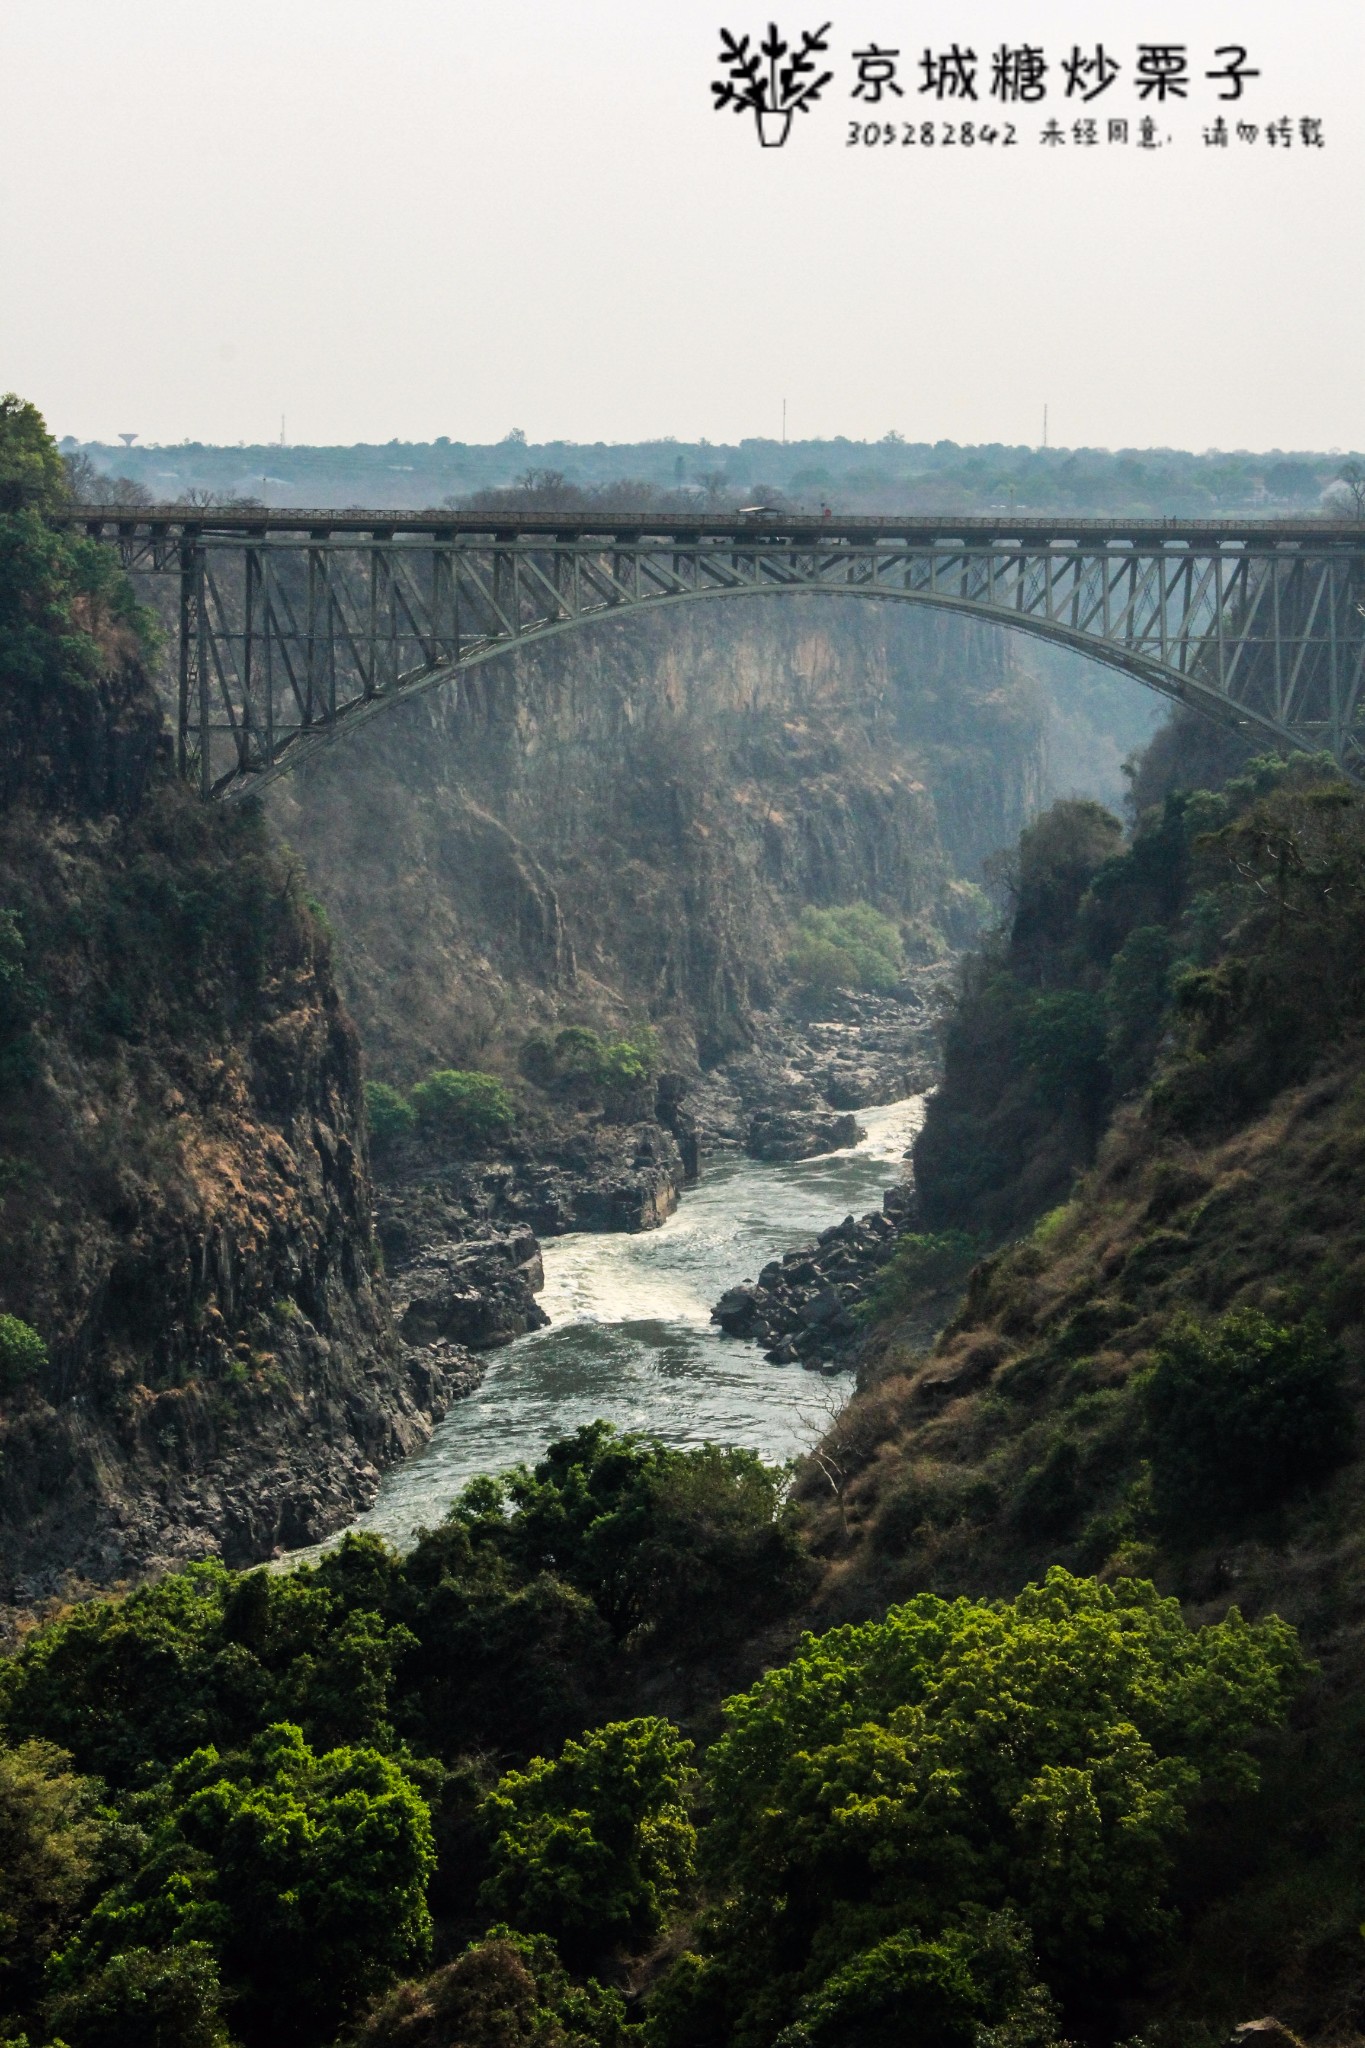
<point>305,1875</point>
<point>849,946</point>
<point>692,1544</point>
<point>1035,1756</point>
<point>391,1115</point>
<point>1349,489</point>
<point>23,1353</point>
<point>207,1656</point>
<point>596,1846</point>
<point>90,486</point>
<point>1062,1042</point>
<point>505,1990</point>
<point>1059,854</point>
<point>50,1832</point>
<point>31,473</point>
<point>144,1998</point>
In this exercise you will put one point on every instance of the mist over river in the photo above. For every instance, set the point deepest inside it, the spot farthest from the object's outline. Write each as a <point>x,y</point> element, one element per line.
<point>630,1334</point>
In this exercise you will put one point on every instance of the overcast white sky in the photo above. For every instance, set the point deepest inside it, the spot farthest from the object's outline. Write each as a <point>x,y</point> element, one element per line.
<point>417,217</point>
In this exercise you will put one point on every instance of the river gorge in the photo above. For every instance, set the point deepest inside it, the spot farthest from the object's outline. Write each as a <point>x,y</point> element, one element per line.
<point>631,1338</point>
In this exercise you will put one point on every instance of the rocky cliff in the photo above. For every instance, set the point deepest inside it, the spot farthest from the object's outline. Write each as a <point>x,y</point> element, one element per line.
<point>625,821</point>
<point>184,1202</point>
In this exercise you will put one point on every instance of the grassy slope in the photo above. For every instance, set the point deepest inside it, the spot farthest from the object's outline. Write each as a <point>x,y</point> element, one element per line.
<point>1020,1441</point>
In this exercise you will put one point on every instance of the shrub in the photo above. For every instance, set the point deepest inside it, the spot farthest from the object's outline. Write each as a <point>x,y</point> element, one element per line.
<point>23,1353</point>
<point>629,1065</point>
<point>922,1264</point>
<point>466,1108</point>
<point>391,1115</point>
<point>536,1059</point>
<point>852,946</point>
<point>586,1068</point>
<point>1239,1414</point>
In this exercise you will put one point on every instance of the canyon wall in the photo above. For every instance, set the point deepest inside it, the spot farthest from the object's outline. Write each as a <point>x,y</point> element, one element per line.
<point>624,821</point>
<point>185,1215</point>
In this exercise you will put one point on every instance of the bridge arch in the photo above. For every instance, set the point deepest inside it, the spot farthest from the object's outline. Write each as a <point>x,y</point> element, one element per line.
<point>300,745</point>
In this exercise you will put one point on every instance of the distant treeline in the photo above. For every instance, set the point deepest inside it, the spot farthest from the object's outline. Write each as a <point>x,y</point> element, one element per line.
<point>890,475</point>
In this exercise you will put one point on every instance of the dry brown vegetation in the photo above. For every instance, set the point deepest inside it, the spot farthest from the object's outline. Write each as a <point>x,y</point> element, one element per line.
<point>1024,1436</point>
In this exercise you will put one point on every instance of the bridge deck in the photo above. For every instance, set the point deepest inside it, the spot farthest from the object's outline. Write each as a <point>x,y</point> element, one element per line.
<point>995,529</point>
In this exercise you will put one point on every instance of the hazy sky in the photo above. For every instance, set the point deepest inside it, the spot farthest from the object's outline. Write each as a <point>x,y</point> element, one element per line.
<point>417,217</point>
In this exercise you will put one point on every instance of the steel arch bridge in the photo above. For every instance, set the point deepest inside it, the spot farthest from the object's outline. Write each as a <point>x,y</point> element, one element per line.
<point>297,626</point>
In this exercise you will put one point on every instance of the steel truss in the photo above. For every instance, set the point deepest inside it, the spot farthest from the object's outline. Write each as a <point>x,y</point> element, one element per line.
<point>289,639</point>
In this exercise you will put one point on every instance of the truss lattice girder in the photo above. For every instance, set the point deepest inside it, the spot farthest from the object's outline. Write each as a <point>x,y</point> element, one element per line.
<point>289,643</point>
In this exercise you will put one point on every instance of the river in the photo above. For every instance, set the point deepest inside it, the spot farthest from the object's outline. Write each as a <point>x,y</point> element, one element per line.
<point>630,1334</point>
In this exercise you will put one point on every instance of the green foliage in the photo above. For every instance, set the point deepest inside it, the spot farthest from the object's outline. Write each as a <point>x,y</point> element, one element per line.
<point>1035,1756</point>
<point>595,1847</point>
<point>695,1541</point>
<point>1215,957</point>
<point>64,603</point>
<point>902,1983</point>
<point>1286,874</point>
<point>50,1833</point>
<point>1060,854</point>
<point>584,1068</point>
<point>850,946</point>
<point>1240,1413</point>
<point>391,1115</point>
<point>207,1656</point>
<point>31,471</point>
<point>497,1631</point>
<point>144,1998</point>
<point>23,1353</point>
<point>936,1822</point>
<point>463,1108</point>
<point>924,1263</point>
<point>1136,1001</point>
<point>305,1875</point>
<point>1062,1044</point>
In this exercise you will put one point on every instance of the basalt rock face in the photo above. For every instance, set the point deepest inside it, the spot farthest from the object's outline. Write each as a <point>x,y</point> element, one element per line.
<point>624,821</point>
<point>184,1195</point>
<point>594,1177</point>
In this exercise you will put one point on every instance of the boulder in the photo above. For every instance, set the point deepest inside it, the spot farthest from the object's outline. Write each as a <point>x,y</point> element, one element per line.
<point>737,1310</point>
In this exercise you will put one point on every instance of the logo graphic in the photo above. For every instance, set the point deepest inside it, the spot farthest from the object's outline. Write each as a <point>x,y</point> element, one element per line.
<point>761,81</point>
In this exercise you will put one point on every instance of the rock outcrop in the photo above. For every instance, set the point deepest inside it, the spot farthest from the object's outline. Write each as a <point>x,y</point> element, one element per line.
<point>597,1177</point>
<point>478,1294</point>
<point>863,1049</point>
<point>801,1134</point>
<point>801,1308</point>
